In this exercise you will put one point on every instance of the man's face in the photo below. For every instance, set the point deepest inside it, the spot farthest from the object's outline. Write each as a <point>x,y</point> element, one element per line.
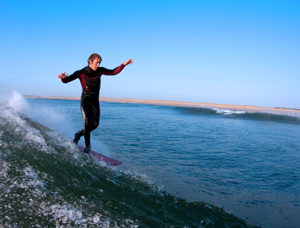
<point>95,64</point>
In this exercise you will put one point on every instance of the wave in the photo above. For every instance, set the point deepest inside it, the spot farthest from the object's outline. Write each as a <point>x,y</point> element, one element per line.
<point>46,182</point>
<point>240,114</point>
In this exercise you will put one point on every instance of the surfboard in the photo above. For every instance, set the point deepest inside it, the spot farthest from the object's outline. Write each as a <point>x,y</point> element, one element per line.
<point>102,158</point>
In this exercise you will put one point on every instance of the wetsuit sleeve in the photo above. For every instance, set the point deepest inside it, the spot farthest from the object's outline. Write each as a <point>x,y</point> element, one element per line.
<point>114,71</point>
<point>72,77</point>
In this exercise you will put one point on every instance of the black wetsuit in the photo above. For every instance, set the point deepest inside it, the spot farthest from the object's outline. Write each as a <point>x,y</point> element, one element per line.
<point>91,82</point>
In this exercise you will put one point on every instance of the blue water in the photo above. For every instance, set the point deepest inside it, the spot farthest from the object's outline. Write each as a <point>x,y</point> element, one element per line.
<point>239,164</point>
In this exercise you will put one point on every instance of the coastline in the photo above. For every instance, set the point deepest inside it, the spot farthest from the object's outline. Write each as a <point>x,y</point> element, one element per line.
<point>278,111</point>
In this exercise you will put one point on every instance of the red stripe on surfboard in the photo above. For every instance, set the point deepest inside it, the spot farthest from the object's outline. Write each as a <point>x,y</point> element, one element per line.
<point>100,157</point>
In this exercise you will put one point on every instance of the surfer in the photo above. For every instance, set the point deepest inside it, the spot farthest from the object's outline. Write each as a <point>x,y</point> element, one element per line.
<point>90,79</point>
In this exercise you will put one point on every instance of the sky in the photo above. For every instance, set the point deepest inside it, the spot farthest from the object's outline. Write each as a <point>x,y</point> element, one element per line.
<point>211,51</point>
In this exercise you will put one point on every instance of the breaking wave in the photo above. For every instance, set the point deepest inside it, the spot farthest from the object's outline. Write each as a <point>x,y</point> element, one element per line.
<point>46,182</point>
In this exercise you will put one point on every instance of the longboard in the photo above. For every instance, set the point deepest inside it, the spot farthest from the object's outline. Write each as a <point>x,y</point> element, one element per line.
<point>102,158</point>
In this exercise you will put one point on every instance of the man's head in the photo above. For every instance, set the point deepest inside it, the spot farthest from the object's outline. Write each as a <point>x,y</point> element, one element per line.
<point>94,61</point>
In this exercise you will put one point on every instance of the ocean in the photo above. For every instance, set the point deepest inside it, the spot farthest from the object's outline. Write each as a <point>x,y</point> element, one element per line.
<point>182,167</point>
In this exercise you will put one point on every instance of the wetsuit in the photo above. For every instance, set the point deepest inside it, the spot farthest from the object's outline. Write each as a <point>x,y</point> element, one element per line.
<point>91,82</point>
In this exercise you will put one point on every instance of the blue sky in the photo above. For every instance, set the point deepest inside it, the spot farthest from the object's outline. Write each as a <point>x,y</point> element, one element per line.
<point>226,52</point>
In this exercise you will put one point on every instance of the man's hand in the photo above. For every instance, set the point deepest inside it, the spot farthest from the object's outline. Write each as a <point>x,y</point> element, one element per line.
<point>62,75</point>
<point>128,61</point>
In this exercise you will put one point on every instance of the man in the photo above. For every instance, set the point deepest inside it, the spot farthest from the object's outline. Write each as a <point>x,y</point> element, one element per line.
<point>90,79</point>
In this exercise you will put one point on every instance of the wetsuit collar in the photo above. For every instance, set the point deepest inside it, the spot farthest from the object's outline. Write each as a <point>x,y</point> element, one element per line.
<point>89,68</point>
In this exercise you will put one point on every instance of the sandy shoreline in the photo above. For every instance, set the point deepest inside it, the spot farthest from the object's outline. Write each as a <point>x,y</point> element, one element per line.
<point>279,111</point>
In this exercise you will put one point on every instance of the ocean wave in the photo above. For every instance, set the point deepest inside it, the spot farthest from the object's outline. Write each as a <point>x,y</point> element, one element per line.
<point>241,114</point>
<point>46,182</point>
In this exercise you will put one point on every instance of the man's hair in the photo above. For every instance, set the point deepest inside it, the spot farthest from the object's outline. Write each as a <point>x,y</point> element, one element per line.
<point>93,57</point>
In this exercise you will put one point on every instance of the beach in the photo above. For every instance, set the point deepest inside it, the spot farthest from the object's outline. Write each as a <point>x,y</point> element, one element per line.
<point>247,108</point>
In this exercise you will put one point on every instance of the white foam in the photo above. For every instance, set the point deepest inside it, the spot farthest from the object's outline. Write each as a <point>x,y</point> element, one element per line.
<point>46,116</point>
<point>16,105</point>
<point>17,102</point>
<point>65,214</point>
<point>97,146</point>
<point>52,119</point>
<point>228,112</point>
<point>32,180</point>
